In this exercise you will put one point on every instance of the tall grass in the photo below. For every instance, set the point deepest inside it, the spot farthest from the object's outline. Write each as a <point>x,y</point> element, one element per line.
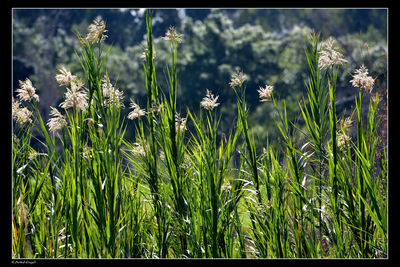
<point>183,189</point>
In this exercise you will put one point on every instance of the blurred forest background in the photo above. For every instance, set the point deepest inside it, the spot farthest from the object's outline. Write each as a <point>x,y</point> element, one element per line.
<point>266,44</point>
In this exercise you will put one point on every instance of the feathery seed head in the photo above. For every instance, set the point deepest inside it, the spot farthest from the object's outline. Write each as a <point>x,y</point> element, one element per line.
<point>75,97</point>
<point>64,77</point>
<point>112,94</point>
<point>329,56</point>
<point>26,91</point>
<point>209,102</point>
<point>21,115</point>
<point>137,111</point>
<point>180,123</point>
<point>362,80</point>
<point>346,124</point>
<point>343,141</point>
<point>265,94</point>
<point>173,35</point>
<point>96,31</point>
<point>237,79</point>
<point>57,121</point>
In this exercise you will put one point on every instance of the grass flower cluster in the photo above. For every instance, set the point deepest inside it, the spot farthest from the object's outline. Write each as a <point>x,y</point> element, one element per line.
<point>209,102</point>
<point>362,80</point>
<point>183,189</point>
<point>330,56</point>
<point>265,94</point>
<point>26,92</point>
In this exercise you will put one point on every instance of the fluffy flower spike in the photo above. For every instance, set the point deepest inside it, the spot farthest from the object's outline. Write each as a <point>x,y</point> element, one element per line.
<point>209,102</point>
<point>265,94</point>
<point>362,80</point>
<point>26,91</point>
<point>329,56</point>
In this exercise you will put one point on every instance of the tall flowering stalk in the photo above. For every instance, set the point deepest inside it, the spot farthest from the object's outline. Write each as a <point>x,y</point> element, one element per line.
<point>365,148</point>
<point>330,59</point>
<point>92,64</point>
<point>316,115</point>
<point>96,121</point>
<point>96,31</point>
<point>43,165</point>
<point>136,112</point>
<point>149,144</point>
<point>214,218</point>
<point>172,129</point>
<point>237,83</point>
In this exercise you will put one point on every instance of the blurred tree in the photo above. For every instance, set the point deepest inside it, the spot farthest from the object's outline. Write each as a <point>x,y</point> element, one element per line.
<point>266,44</point>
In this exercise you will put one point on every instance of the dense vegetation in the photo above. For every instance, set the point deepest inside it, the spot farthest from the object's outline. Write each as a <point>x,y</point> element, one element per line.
<point>93,178</point>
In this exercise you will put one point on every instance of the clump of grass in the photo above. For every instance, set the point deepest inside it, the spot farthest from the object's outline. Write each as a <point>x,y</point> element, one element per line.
<point>185,190</point>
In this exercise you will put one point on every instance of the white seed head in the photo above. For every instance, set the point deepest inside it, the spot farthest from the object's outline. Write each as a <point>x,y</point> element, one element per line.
<point>237,79</point>
<point>330,56</point>
<point>265,94</point>
<point>137,111</point>
<point>114,97</point>
<point>96,31</point>
<point>64,77</point>
<point>21,115</point>
<point>75,97</point>
<point>57,120</point>
<point>26,91</point>
<point>172,35</point>
<point>209,102</point>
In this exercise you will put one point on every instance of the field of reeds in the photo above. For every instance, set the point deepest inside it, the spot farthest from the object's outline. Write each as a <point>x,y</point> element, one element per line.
<point>183,189</point>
